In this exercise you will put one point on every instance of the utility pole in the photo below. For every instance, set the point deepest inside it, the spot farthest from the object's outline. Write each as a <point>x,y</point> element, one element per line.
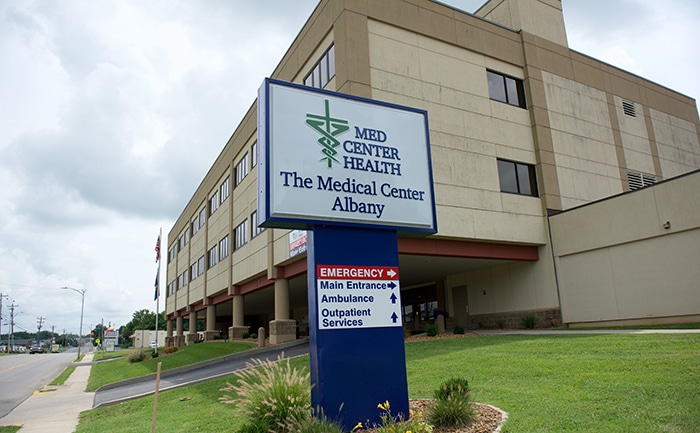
<point>8,334</point>
<point>13,307</point>
<point>39,321</point>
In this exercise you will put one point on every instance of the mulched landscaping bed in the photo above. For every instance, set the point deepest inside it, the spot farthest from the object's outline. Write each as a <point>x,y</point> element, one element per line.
<point>488,418</point>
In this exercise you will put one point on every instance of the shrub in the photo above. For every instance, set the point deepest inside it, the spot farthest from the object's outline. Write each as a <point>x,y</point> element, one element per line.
<point>458,330</point>
<point>136,356</point>
<point>154,354</point>
<point>500,324</point>
<point>245,335</point>
<point>453,412</point>
<point>271,396</point>
<point>453,407</point>
<point>529,321</point>
<point>456,386</point>
<point>315,425</point>
<point>170,349</point>
<point>253,335</point>
<point>431,330</point>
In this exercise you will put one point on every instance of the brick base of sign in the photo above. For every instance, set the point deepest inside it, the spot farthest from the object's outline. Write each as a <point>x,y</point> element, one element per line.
<point>237,332</point>
<point>282,331</point>
<point>547,318</point>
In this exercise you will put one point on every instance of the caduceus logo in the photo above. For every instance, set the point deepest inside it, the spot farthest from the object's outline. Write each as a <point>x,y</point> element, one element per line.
<point>329,128</point>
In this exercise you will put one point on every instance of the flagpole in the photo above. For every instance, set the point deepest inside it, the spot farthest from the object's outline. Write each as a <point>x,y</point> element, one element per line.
<point>155,349</point>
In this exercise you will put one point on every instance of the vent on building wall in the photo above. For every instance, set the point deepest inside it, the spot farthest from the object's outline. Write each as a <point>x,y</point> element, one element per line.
<point>640,180</point>
<point>628,108</point>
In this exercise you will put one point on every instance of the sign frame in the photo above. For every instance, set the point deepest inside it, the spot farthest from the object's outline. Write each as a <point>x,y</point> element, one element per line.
<point>421,199</point>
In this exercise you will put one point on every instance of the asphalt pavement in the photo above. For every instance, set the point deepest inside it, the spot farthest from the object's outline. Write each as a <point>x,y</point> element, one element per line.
<point>54,408</point>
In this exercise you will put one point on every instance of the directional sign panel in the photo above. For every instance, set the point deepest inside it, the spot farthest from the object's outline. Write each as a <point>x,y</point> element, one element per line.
<point>352,297</point>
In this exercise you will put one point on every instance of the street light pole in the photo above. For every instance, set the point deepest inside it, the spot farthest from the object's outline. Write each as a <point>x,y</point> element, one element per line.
<point>82,308</point>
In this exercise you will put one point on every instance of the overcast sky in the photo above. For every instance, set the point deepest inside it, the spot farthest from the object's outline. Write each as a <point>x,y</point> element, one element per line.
<point>112,112</point>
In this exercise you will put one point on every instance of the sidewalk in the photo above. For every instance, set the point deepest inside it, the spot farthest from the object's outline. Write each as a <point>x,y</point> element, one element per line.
<point>55,409</point>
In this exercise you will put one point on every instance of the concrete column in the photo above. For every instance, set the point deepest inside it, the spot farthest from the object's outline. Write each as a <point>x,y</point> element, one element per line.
<point>179,331</point>
<point>236,331</point>
<point>192,336</point>
<point>169,340</point>
<point>281,299</point>
<point>210,332</point>
<point>282,329</point>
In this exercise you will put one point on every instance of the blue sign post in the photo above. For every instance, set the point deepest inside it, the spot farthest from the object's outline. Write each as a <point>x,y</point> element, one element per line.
<point>355,367</point>
<point>355,173</point>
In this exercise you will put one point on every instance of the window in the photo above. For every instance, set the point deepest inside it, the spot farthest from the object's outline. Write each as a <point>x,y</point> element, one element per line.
<point>240,234</point>
<point>214,203</point>
<point>184,239</point>
<point>254,154</point>
<point>506,89</point>
<point>223,248</point>
<point>200,266</point>
<point>254,229</point>
<point>183,279</point>
<point>517,178</point>
<point>194,273</point>
<point>212,256</point>
<point>202,217</point>
<point>172,253</point>
<point>225,189</point>
<point>241,169</point>
<point>323,71</point>
<point>195,225</point>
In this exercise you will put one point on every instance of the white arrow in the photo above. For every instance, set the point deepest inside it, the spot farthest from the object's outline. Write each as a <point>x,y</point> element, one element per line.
<point>391,273</point>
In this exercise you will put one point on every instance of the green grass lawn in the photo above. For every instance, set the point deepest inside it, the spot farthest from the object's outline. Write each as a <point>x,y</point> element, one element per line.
<point>554,383</point>
<point>118,369</point>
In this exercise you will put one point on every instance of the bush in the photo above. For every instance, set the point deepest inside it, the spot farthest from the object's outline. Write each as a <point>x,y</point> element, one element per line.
<point>136,356</point>
<point>431,330</point>
<point>170,349</point>
<point>453,412</point>
<point>245,335</point>
<point>453,407</point>
<point>271,396</point>
<point>315,425</point>
<point>154,354</point>
<point>458,330</point>
<point>253,335</point>
<point>529,321</point>
<point>456,386</point>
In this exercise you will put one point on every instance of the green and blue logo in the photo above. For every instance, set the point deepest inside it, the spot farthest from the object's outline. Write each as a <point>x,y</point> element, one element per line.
<point>329,128</point>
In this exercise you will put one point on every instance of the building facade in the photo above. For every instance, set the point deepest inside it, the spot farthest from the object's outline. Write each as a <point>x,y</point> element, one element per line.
<point>521,128</point>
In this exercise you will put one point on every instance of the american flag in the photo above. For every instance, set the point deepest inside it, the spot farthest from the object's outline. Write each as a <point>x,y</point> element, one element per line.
<point>158,249</point>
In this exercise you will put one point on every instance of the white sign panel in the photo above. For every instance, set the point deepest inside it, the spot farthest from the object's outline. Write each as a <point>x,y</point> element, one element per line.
<point>327,157</point>
<point>351,297</point>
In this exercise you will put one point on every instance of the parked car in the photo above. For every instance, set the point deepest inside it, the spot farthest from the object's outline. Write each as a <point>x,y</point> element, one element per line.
<point>154,344</point>
<point>36,349</point>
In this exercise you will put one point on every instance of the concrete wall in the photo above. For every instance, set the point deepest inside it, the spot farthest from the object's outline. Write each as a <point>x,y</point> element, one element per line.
<point>617,261</point>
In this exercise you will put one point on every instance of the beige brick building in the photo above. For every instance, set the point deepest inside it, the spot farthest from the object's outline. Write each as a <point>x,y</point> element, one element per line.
<point>523,131</point>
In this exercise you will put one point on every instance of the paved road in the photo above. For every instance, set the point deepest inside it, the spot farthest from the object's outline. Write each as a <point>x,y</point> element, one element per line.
<point>138,387</point>
<point>23,374</point>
